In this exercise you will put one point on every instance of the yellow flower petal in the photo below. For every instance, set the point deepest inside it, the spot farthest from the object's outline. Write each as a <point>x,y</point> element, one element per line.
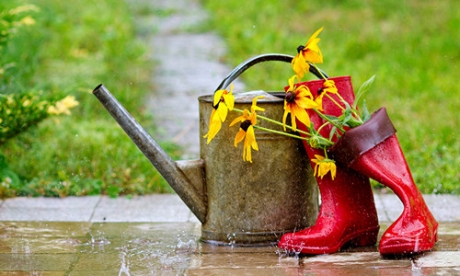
<point>241,118</point>
<point>305,103</point>
<point>300,66</point>
<point>229,100</point>
<point>214,126</point>
<point>222,109</point>
<point>314,37</point>
<point>323,166</point>
<point>329,87</point>
<point>217,97</point>
<point>287,110</point>
<point>239,137</point>
<point>301,115</point>
<point>333,170</point>
<point>311,52</point>
<point>254,106</point>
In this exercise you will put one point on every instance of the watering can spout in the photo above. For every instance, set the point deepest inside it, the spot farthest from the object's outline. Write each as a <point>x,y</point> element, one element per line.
<point>179,175</point>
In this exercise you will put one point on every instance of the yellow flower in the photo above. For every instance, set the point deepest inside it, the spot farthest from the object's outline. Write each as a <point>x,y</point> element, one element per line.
<point>223,102</point>
<point>248,121</point>
<point>28,20</point>
<point>323,166</point>
<point>328,87</point>
<point>63,106</point>
<point>308,53</point>
<point>297,100</point>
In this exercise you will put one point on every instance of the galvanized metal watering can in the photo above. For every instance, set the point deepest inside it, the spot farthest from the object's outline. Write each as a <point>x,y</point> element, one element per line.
<point>238,203</point>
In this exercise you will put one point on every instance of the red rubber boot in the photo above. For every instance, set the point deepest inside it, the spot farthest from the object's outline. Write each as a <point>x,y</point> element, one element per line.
<point>347,213</point>
<point>378,155</point>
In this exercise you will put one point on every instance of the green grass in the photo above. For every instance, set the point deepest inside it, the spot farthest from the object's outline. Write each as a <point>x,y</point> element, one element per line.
<point>72,48</point>
<point>411,46</point>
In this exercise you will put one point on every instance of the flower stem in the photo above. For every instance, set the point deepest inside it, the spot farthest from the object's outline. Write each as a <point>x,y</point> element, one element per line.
<point>320,72</point>
<point>329,120</point>
<point>276,123</point>
<point>281,133</point>
<point>335,102</point>
<point>292,135</point>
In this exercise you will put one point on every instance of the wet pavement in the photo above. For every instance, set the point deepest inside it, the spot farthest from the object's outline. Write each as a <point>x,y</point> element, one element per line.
<point>158,235</point>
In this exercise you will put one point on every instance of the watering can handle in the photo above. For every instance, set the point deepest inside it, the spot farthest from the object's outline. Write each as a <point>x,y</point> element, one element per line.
<point>258,59</point>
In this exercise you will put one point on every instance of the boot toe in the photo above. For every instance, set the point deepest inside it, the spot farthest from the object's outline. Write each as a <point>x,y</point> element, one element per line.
<point>408,242</point>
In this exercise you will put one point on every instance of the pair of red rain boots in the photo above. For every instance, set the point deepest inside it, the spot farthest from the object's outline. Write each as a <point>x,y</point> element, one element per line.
<point>347,214</point>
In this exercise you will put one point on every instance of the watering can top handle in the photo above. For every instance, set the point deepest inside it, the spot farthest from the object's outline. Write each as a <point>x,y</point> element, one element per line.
<point>258,59</point>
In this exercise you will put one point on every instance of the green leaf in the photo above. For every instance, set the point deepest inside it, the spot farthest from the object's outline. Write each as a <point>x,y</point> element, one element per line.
<point>333,131</point>
<point>346,115</point>
<point>354,123</point>
<point>365,115</point>
<point>363,89</point>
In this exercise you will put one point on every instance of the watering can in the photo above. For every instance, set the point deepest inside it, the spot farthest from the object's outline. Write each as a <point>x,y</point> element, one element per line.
<point>237,202</point>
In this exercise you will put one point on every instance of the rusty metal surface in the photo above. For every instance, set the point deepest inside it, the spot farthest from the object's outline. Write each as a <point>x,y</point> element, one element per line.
<point>254,203</point>
<point>241,202</point>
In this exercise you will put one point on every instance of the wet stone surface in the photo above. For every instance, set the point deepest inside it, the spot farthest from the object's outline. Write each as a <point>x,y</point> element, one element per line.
<point>82,248</point>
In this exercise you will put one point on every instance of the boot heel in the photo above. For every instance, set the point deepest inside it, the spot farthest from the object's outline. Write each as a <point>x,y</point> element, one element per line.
<point>367,238</point>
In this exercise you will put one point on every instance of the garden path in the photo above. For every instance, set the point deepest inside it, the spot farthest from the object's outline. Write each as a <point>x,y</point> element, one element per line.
<point>187,66</point>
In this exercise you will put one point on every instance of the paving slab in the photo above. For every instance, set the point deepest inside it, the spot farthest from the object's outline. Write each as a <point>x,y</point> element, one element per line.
<point>48,209</point>
<point>170,208</point>
<point>151,208</point>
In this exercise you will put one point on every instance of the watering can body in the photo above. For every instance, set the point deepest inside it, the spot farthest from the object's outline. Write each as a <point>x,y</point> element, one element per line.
<point>237,202</point>
<point>255,203</point>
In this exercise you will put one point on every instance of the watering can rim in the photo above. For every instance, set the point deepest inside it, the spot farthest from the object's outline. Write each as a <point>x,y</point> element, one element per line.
<point>247,97</point>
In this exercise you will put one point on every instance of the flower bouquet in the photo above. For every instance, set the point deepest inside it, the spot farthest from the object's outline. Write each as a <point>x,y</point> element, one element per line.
<point>346,146</point>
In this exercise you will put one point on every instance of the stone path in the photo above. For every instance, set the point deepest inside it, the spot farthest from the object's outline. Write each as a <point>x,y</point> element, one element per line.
<point>187,66</point>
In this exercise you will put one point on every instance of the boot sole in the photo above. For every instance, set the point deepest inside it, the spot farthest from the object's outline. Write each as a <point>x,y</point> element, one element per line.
<point>360,238</point>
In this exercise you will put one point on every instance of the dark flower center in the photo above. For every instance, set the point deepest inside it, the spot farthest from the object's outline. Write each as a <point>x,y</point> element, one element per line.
<point>290,97</point>
<point>217,105</point>
<point>244,125</point>
<point>300,48</point>
<point>320,90</point>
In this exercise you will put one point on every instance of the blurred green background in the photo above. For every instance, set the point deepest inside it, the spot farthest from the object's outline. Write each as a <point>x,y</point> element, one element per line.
<point>71,48</point>
<point>411,46</point>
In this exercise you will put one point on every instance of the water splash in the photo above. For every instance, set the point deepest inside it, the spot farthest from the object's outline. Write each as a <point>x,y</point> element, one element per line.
<point>287,256</point>
<point>98,238</point>
<point>186,246</point>
<point>416,267</point>
<point>22,246</point>
<point>124,268</point>
<point>231,239</point>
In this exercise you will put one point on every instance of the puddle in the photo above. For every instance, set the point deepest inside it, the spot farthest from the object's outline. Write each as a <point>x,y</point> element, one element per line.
<point>175,249</point>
